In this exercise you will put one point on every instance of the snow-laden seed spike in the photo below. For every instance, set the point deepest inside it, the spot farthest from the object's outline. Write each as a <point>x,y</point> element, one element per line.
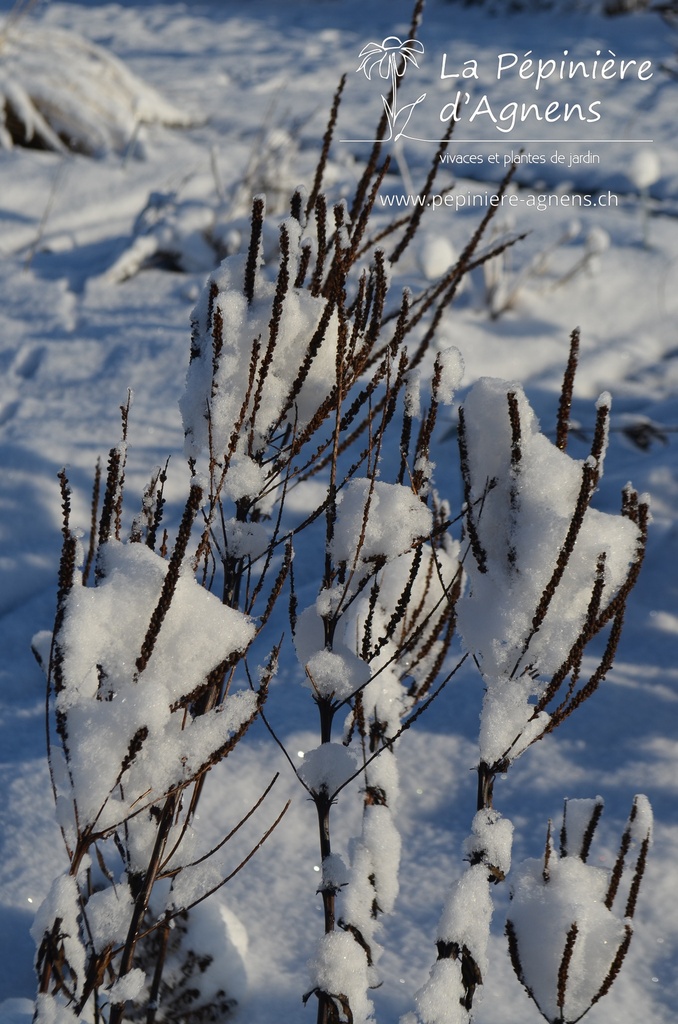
<point>370,353</point>
<point>94,512</point>
<point>309,356</point>
<point>600,436</point>
<point>366,644</point>
<point>587,838</point>
<point>567,391</point>
<point>217,332</point>
<point>282,288</point>
<point>514,954</point>
<point>278,584</point>
<point>563,832</point>
<point>370,168</point>
<point>416,18</point>
<point>124,415</point>
<point>158,508</point>
<point>355,313</point>
<point>359,721</point>
<point>616,965</point>
<point>576,523</point>
<point>254,251</point>
<point>380,290</point>
<point>418,212</point>
<point>135,744</point>
<point>66,581</point>
<point>637,878</point>
<point>297,206</point>
<point>618,869</point>
<point>442,634</point>
<point>327,142</point>
<point>548,849</point>
<point>479,552</point>
<point>321,254</point>
<point>598,676</point>
<point>212,296</point>
<point>110,491</point>
<point>629,505</point>
<point>363,220</point>
<point>402,604</point>
<point>566,960</point>
<point>65,502</point>
<point>641,861</point>
<point>302,269</point>
<point>618,603</point>
<point>171,578</point>
<point>516,431</point>
<point>422,449</point>
<point>516,456</point>
<point>573,662</point>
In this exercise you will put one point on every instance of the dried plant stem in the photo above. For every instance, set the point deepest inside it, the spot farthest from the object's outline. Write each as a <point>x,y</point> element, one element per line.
<point>141,901</point>
<point>565,405</point>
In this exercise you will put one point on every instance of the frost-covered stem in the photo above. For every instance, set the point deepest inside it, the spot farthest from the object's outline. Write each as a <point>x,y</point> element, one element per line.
<point>154,993</point>
<point>48,961</point>
<point>233,566</point>
<point>325,1008</point>
<point>170,582</point>
<point>327,141</point>
<point>323,804</point>
<point>565,405</point>
<point>322,800</point>
<point>142,898</point>
<point>464,929</point>
<point>486,778</point>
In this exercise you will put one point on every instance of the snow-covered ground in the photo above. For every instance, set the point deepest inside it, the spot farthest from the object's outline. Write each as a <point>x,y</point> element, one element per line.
<point>79,326</point>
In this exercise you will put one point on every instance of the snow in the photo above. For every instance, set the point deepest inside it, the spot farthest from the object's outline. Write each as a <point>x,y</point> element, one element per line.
<point>523,519</point>
<point>62,904</point>
<point>641,824</point>
<point>492,837</point>
<point>127,987</point>
<point>645,169</point>
<point>380,842</point>
<point>451,364</point>
<point>327,768</point>
<point>71,94</point>
<point>577,819</point>
<point>439,999</point>
<point>547,904</point>
<point>335,673</point>
<point>81,322</point>
<point>575,895</point>
<point>218,381</point>
<point>108,915</point>
<point>380,520</point>
<point>436,257</point>
<point>340,968</point>
<point>466,916</point>
<point>101,639</point>
<point>334,872</point>
<point>48,1011</point>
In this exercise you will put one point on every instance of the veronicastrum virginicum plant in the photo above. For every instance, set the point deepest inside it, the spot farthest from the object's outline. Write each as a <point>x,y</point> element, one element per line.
<point>306,371</point>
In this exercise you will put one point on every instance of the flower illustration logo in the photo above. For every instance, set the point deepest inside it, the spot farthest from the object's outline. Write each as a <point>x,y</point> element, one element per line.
<point>390,58</point>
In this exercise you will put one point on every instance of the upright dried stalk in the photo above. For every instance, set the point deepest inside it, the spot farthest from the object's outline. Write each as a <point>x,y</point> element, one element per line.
<point>546,576</point>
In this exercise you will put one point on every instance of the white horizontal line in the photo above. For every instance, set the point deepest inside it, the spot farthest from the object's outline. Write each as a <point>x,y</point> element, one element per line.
<point>513,142</point>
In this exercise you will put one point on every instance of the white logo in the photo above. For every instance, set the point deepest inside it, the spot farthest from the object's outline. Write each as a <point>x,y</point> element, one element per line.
<point>390,58</point>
